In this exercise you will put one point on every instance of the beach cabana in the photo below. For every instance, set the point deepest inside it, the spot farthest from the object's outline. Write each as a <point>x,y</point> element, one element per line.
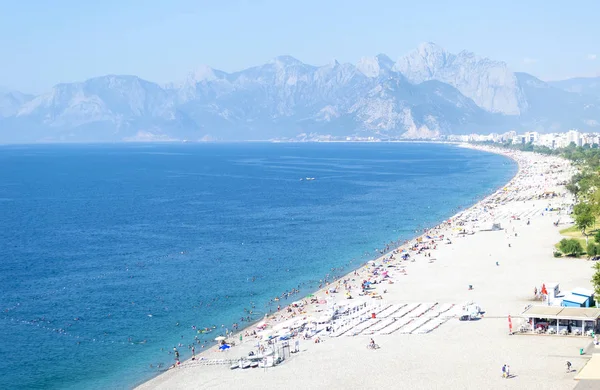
<point>572,300</point>
<point>584,292</point>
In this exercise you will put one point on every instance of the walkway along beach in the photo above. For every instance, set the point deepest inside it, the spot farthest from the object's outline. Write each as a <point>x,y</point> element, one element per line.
<point>486,260</point>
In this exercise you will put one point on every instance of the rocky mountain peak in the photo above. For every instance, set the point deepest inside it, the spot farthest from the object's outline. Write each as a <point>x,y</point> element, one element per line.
<point>285,61</point>
<point>375,66</point>
<point>489,83</point>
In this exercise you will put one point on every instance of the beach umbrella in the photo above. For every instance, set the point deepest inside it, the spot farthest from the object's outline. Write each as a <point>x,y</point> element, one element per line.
<point>220,338</point>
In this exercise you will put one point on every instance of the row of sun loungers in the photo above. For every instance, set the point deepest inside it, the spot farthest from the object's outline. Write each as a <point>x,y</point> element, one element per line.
<point>211,362</point>
<point>348,322</point>
<point>383,309</point>
<point>412,318</point>
<point>398,324</point>
<point>389,312</point>
<point>431,325</point>
<point>362,326</point>
<point>380,326</point>
<point>414,325</point>
<point>439,310</point>
<point>406,310</point>
<point>424,308</point>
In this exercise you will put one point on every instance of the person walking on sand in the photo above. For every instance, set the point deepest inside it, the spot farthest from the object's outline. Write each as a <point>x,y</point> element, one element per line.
<point>568,366</point>
<point>504,371</point>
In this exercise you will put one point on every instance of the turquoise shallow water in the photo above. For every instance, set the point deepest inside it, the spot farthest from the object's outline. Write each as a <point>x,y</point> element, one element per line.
<point>110,254</point>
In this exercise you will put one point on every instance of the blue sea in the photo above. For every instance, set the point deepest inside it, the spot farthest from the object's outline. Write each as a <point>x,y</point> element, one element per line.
<point>111,254</point>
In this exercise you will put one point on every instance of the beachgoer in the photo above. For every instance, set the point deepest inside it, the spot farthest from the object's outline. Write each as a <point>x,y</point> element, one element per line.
<point>568,366</point>
<point>504,371</point>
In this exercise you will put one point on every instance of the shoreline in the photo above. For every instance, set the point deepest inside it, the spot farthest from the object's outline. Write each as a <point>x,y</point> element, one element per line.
<point>271,318</point>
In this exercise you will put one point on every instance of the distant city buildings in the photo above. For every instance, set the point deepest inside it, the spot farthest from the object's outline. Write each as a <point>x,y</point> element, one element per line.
<point>552,141</point>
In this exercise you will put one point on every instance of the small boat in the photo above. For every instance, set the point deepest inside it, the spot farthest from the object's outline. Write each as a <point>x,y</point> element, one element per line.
<point>254,364</point>
<point>310,178</point>
<point>245,364</point>
<point>234,366</point>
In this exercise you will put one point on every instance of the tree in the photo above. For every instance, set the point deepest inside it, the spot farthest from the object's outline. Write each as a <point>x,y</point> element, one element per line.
<point>584,217</point>
<point>596,280</point>
<point>597,236</point>
<point>570,247</point>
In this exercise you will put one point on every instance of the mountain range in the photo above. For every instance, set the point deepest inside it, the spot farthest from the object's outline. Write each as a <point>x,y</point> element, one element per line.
<point>429,92</point>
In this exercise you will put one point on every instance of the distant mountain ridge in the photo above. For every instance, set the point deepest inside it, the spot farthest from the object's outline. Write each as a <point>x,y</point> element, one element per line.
<point>427,93</point>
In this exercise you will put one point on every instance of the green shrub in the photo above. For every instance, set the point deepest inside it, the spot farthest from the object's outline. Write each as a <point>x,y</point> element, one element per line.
<point>570,247</point>
<point>593,249</point>
<point>557,254</point>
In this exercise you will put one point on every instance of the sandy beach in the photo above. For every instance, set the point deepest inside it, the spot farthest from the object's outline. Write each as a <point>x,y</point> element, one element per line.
<point>503,267</point>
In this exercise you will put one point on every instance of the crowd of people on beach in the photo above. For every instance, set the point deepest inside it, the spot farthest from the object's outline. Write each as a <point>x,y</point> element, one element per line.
<point>399,254</point>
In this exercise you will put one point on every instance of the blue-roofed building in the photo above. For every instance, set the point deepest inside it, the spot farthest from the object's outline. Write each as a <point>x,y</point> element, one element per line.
<point>584,292</point>
<point>572,300</point>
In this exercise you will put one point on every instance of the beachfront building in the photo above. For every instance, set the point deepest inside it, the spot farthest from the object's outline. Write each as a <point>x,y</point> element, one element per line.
<point>561,320</point>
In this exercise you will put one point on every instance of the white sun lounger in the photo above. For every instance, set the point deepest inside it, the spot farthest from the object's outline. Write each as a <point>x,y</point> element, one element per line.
<point>424,308</point>
<point>414,325</point>
<point>400,324</point>
<point>406,310</point>
<point>390,311</point>
<point>431,325</point>
<point>382,310</point>
<point>439,310</point>
<point>361,327</point>
<point>380,326</point>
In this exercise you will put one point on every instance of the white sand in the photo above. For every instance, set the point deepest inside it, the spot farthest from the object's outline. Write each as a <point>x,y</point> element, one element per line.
<point>458,354</point>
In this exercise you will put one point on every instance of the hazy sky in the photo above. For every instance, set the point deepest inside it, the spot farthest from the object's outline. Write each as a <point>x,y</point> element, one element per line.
<point>45,42</point>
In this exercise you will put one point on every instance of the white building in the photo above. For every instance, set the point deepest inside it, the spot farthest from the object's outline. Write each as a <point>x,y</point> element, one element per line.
<point>574,136</point>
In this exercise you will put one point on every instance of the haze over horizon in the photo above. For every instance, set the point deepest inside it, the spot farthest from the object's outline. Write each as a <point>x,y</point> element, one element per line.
<point>69,41</point>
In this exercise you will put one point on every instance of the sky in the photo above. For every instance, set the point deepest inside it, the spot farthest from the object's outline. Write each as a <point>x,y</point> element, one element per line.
<point>44,42</point>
